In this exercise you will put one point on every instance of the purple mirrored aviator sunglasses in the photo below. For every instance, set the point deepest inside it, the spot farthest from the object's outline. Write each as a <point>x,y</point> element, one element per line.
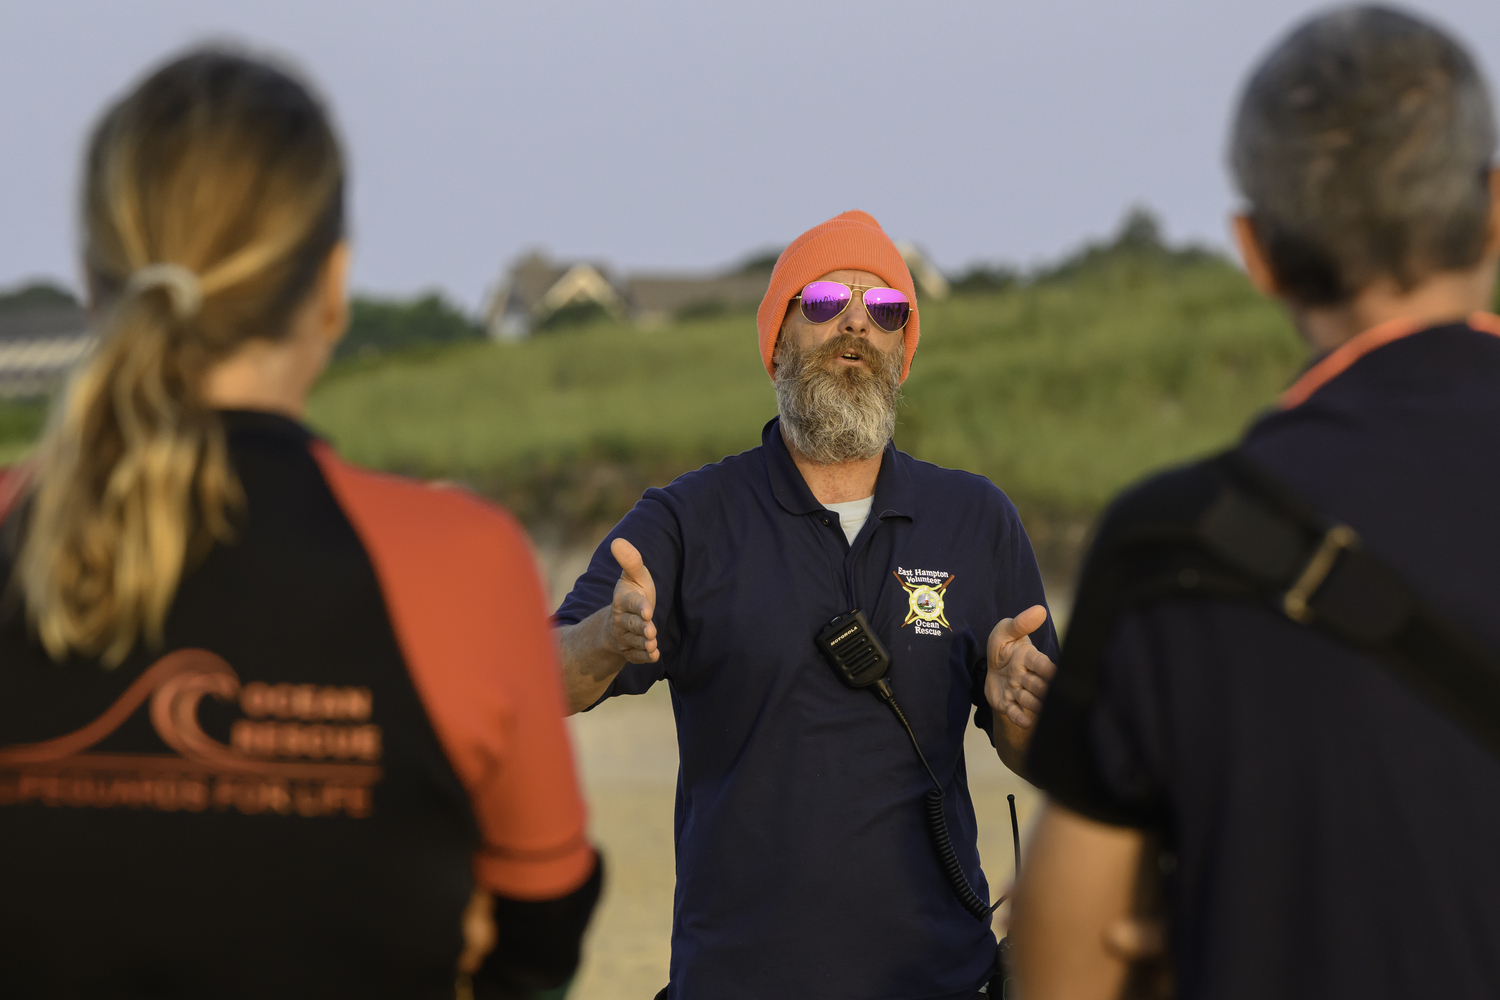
<point>826,300</point>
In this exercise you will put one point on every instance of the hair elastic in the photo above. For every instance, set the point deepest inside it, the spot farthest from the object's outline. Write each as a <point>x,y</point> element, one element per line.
<point>181,285</point>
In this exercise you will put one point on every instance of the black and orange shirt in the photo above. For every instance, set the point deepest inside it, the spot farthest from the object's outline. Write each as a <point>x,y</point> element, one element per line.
<point>355,717</point>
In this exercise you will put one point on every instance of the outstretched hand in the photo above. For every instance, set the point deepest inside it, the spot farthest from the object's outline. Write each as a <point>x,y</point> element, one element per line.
<point>597,648</point>
<point>1018,672</point>
<point>631,630</point>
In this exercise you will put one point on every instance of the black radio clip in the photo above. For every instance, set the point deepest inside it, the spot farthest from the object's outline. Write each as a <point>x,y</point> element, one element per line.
<point>853,650</point>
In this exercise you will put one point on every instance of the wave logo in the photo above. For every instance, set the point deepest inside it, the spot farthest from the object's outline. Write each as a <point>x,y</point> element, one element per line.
<point>264,769</point>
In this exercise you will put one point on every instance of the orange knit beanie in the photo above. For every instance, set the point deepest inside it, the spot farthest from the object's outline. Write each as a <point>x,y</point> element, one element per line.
<point>852,241</point>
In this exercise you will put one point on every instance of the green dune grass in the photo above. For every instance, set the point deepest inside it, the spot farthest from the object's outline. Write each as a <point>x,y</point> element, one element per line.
<point>1061,392</point>
<point>1065,392</point>
<point>20,423</point>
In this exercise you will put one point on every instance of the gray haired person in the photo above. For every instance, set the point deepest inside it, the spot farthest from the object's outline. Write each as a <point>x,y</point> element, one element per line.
<point>1285,754</point>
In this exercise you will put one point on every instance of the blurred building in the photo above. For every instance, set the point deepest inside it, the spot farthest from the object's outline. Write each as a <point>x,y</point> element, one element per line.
<point>538,293</point>
<point>929,280</point>
<point>656,299</point>
<point>537,288</point>
<point>43,332</point>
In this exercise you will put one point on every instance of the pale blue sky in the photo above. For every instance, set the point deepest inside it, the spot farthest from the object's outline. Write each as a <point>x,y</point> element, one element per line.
<point>684,135</point>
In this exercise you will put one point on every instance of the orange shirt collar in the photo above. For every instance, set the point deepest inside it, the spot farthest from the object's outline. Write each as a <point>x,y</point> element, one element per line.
<point>1337,361</point>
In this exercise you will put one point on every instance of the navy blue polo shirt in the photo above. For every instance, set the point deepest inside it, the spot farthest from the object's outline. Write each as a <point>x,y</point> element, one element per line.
<point>1335,835</point>
<point>804,867</point>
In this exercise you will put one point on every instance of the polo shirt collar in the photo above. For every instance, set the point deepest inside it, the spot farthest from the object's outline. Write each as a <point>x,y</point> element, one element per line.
<point>894,493</point>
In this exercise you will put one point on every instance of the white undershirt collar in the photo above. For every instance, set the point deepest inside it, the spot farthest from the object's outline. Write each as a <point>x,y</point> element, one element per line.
<point>852,515</point>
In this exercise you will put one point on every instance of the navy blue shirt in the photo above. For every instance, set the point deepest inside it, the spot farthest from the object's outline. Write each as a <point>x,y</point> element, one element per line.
<point>1336,836</point>
<point>804,867</point>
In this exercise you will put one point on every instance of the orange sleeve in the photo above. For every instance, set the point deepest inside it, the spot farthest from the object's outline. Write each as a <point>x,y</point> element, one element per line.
<point>463,595</point>
<point>13,479</point>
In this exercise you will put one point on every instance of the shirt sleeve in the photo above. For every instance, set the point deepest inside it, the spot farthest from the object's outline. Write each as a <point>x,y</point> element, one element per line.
<point>654,530</point>
<point>1116,767</point>
<point>1104,743</point>
<point>467,607</point>
<point>1127,725</point>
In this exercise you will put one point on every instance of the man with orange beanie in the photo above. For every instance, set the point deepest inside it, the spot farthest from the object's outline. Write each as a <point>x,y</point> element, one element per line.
<point>806,825</point>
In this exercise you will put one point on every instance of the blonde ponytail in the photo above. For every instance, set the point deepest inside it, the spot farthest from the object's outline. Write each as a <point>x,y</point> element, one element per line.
<point>213,195</point>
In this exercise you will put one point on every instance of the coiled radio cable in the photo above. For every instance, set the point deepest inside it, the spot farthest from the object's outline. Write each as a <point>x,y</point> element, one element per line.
<point>937,821</point>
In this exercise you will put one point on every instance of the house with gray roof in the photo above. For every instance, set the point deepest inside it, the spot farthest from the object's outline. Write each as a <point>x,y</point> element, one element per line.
<point>536,288</point>
<point>43,333</point>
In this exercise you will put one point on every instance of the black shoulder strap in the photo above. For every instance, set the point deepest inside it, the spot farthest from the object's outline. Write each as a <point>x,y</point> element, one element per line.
<point>1228,529</point>
<point>1319,574</point>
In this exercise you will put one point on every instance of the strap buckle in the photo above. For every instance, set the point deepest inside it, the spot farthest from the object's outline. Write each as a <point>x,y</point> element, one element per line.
<point>1296,600</point>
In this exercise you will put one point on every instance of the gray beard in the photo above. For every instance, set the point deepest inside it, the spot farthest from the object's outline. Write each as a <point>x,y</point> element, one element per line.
<point>836,416</point>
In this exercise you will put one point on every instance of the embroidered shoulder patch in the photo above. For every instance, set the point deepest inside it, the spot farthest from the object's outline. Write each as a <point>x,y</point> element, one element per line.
<point>924,590</point>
